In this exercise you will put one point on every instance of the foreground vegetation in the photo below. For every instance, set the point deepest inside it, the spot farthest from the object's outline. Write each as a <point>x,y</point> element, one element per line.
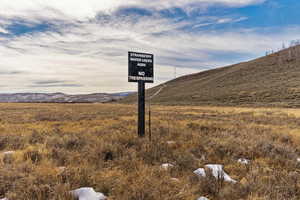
<point>58,148</point>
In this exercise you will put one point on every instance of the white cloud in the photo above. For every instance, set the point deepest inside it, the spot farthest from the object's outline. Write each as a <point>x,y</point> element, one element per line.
<point>79,9</point>
<point>94,53</point>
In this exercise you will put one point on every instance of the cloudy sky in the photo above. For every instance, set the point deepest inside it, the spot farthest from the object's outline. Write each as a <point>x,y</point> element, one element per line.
<point>80,46</point>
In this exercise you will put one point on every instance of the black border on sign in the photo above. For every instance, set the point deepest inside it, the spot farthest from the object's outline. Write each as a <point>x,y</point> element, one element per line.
<point>146,81</point>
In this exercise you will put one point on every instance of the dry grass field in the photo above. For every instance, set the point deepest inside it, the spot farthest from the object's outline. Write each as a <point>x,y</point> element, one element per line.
<point>61,147</point>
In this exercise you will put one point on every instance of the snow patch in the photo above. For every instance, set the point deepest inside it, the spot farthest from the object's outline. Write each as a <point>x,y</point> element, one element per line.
<point>243,161</point>
<point>88,194</point>
<point>8,157</point>
<point>166,166</point>
<point>217,172</point>
<point>298,160</point>
<point>8,153</point>
<point>200,172</point>
<point>175,180</point>
<point>61,170</point>
<point>171,142</point>
<point>202,198</point>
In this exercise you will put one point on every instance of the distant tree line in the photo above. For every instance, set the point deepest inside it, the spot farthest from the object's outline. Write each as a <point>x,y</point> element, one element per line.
<point>292,53</point>
<point>292,43</point>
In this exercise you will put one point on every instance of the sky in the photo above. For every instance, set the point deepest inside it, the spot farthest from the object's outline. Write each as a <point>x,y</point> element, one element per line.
<point>81,46</point>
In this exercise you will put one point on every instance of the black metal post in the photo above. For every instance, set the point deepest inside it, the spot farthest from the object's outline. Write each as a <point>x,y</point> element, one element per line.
<point>141,108</point>
<point>150,133</point>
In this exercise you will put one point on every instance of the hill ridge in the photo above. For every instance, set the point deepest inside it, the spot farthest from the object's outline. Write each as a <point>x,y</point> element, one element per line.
<point>271,80</point>
<point>59,97</point>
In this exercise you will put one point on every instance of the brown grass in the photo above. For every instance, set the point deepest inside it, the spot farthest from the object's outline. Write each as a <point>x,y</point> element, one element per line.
<point>98,146</point>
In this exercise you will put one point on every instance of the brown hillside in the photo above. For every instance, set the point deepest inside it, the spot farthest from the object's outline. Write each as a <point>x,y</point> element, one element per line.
<point>273,80</point>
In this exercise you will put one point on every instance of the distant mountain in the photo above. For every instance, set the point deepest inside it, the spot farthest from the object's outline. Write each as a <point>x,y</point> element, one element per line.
<point>61,98</point>
<point>272,80</point>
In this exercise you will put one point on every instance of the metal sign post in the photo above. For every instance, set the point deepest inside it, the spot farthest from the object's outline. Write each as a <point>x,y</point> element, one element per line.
<point>140,69</point>
<point>141,108</point>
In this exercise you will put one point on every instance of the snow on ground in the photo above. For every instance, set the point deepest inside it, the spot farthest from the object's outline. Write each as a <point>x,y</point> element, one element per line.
<point>8,157</point>
<point>175,180</point>
<point>8,153</point>
<point>202,198</point>
<point>88,194</point>
<point>171,142</point>
<point>61,169</point>
<point>217,172</point>
<point>243,161</point>
<point>166,166</point>
<point>200,172</point>
<point>298,160</point>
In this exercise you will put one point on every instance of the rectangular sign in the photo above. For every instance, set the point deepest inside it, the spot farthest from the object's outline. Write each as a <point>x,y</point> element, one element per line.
<point>140,67</point>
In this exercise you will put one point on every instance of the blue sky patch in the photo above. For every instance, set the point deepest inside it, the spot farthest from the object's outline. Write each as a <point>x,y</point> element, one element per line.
<point>19,28</point>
